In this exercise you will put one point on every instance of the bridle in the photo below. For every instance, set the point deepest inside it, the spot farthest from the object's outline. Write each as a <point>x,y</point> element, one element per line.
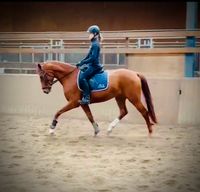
<point>45,75</point>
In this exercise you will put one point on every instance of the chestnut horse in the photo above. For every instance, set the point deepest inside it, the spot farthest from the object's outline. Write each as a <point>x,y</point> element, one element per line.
<point>123,84</point>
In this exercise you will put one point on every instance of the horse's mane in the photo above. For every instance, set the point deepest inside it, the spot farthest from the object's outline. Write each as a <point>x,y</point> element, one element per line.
<point>61,64</point>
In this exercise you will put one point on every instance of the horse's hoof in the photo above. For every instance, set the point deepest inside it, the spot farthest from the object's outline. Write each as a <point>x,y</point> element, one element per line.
<point>150,133</point>
<point>96,132</point>
<point>52,131</point>
<point>109,132</point>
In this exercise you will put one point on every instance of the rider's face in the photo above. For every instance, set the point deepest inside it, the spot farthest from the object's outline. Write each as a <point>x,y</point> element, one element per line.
<point>91,35</point>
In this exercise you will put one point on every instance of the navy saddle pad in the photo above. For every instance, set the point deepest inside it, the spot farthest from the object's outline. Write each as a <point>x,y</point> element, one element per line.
<point>98,82</point>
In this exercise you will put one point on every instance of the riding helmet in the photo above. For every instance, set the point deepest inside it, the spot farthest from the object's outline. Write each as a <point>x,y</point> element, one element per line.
<point>94,29</point>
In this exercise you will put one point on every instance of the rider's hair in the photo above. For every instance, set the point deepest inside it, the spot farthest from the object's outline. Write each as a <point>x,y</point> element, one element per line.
<point>100,37</point>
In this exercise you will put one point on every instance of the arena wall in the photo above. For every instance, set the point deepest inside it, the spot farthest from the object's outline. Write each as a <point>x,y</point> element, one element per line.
<point>176,100</point>
<point>158,65</point>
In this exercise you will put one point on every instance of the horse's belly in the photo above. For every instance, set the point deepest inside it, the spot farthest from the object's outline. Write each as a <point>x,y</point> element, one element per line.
<point>107,94</point>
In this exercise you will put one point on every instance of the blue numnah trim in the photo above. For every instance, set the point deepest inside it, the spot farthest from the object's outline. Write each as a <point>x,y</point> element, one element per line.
<point>98,82</point>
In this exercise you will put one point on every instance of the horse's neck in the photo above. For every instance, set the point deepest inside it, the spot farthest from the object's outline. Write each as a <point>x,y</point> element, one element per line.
<point>65,73</point>
<point>60,68</point>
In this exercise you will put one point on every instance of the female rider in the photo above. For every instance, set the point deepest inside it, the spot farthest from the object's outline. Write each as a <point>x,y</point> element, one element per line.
<point>91,61</point>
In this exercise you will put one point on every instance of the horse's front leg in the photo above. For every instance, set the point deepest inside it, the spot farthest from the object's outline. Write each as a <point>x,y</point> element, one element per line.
<point>69,106</point>
<point>88,112</point>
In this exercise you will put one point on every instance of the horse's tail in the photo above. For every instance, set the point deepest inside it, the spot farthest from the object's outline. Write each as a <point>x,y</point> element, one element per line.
<point>148,98</point>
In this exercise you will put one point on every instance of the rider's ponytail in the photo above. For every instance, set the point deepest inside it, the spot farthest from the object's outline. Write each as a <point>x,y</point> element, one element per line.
<point>100,37</point>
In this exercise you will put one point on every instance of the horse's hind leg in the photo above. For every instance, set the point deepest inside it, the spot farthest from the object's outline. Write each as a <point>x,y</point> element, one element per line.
<point>121,101</point>
<point>88,112</point>
<point>140,107</point>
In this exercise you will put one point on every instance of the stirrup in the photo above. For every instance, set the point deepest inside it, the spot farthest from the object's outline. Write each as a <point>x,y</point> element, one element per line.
<point>84,101</point>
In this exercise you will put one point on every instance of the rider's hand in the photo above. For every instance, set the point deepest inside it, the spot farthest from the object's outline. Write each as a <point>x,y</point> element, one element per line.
<point>83,67</point>
<point>78,64</point>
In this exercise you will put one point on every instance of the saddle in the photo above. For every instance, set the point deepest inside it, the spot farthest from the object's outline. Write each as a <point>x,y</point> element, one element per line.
<point>99,82</point>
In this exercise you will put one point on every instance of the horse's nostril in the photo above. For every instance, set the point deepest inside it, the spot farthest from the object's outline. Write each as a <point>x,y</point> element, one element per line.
<point>46,91</point>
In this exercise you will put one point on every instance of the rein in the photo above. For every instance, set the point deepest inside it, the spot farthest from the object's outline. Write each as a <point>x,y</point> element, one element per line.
<point>55,81</point>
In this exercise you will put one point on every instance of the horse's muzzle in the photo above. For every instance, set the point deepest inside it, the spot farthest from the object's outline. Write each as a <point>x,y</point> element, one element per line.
<point>47,91</point>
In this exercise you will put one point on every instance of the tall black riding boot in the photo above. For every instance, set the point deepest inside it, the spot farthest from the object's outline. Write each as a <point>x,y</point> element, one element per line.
<point>86,93</point>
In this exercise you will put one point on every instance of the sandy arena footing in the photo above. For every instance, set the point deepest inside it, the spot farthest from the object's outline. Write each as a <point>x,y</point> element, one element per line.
<point>74,161</point>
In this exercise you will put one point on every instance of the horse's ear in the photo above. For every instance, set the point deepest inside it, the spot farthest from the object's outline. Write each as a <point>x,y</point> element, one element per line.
<point>39,66</point>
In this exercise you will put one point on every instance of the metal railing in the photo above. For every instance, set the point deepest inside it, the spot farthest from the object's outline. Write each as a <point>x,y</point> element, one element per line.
<point>22,50</point>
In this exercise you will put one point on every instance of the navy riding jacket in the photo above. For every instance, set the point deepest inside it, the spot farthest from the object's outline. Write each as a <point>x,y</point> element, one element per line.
<point>93,57</point>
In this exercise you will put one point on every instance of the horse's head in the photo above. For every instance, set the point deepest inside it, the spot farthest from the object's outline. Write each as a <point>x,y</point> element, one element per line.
<point>46,78</point>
